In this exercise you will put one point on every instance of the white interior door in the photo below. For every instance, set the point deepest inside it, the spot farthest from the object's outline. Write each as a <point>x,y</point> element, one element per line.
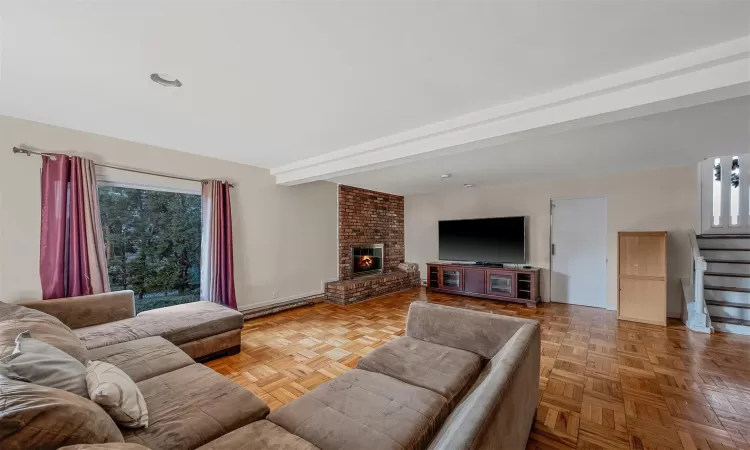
<point>579,251</point>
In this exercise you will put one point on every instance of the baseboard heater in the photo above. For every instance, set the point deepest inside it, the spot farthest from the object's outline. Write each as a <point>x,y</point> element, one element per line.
<point>260,311</point>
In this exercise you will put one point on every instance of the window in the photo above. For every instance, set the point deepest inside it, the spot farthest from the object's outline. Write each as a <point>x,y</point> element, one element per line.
<point>153,244</point>
<point>734,192</point>
<point>717,193</point>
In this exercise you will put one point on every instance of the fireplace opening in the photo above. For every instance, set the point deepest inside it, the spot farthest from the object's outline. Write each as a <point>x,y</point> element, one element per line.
<point>367,259</point>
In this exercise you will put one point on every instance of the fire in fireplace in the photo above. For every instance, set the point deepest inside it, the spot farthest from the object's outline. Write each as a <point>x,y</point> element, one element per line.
<point>367,259</point>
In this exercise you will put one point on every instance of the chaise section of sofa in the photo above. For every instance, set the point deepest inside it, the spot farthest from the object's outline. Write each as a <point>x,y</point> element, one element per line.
<point>201,329</point>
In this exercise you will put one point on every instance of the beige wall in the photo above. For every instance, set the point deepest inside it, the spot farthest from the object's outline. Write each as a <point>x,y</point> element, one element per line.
<point>273,225</point>
<point>654,200</point>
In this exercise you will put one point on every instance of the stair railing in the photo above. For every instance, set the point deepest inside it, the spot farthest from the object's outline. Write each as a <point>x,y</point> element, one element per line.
<point>700,319</point>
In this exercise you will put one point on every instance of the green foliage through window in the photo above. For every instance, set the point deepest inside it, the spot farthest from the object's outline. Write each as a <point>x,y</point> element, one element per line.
<point>153,244</point>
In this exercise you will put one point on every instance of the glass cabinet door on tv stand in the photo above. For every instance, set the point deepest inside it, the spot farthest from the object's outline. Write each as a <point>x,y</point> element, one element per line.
<point>450,278</point>
<point>501,283</point>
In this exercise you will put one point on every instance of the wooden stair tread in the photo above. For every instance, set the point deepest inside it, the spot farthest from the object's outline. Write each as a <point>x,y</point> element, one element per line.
<point>723,236</point>
<point>727,274</point>
<point>725,288</point>
<point>730,304</point>
<point>730,320</point>
<point>729,261</point>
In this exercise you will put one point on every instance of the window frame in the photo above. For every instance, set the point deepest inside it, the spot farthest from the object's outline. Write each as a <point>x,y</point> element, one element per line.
<point>119,178</point>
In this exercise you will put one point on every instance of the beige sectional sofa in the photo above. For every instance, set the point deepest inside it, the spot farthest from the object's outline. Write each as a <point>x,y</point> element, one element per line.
<point>458,379</point>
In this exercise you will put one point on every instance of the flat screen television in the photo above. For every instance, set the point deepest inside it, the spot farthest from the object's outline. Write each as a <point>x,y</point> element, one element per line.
<point>495,240</point>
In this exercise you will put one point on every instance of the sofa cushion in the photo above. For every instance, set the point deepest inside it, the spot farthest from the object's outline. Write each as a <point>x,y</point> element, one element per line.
<point>260,435</point>
<point>40,363</point>
<point>15,319</point>
<point>361,409</point>
<point>145,358</point>
<point>39,417</point>
<point>191,407</point>
<point>445,370</point>
<point>178,324</point>
<point>117,394</point>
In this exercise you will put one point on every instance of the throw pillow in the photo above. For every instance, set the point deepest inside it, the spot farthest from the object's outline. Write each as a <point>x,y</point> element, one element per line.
<point>16,318</point>
<point>40,363</point>
<point>40,417</point>
<point>114,391</point>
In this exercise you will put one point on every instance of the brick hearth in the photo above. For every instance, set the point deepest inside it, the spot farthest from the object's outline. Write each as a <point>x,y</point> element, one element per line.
<point>346,292</point>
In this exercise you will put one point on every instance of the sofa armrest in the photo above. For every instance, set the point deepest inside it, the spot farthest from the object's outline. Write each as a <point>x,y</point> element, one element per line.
<point>474,331</point>
<point>88,310</point>
<point>500,408</point>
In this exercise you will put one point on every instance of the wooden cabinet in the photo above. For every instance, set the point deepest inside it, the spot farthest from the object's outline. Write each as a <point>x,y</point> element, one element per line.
<point>513,285</point>
<point>642,277</point>
<point>475,281</point>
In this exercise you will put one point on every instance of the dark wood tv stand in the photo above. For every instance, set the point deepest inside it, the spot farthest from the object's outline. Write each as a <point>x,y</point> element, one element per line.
<point>486,281</point>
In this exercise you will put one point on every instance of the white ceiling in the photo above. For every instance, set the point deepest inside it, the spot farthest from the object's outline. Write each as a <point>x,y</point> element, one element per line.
<point>676,138</point>
<point>270,83</point>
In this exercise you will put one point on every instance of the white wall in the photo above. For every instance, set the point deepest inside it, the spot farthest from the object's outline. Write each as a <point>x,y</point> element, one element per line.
<point>654,200</point>
<point>273,225</point>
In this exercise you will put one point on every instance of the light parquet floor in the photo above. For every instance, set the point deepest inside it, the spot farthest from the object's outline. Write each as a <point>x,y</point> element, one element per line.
<point>605,384</point>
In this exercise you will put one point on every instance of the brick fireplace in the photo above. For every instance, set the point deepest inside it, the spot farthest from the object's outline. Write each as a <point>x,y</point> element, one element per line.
<point>371,227</point>
<point>367,218</point>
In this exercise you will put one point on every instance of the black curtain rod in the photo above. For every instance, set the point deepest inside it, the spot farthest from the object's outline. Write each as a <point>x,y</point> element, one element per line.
<point>126,169</point>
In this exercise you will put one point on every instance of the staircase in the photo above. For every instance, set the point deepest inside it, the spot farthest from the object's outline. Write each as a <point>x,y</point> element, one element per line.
<point>726,283</point>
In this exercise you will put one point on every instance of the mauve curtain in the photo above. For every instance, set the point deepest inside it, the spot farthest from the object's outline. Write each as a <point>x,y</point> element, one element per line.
<point>217,256</point>
<point>72,261</point>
